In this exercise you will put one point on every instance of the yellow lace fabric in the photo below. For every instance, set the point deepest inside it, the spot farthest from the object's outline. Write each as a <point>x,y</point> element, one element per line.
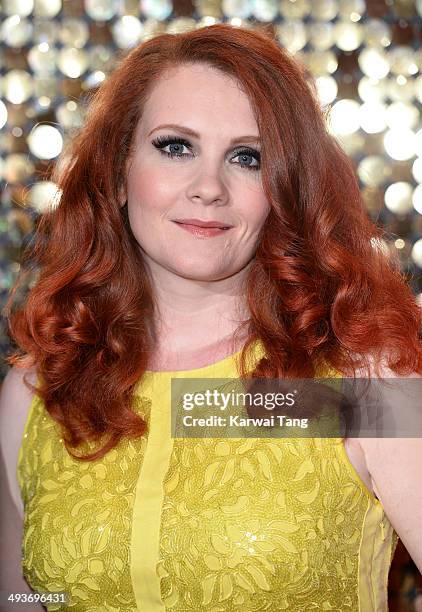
<point>78,516</point>
<point>216,525</point>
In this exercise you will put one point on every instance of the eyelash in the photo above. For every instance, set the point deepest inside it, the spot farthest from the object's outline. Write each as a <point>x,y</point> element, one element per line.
<point>162,141</point>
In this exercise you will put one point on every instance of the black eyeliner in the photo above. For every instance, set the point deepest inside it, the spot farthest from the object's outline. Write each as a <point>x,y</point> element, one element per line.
<point>162,141</point>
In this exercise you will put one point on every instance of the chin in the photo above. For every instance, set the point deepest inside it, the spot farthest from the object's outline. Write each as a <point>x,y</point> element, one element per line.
<point>198,273</point>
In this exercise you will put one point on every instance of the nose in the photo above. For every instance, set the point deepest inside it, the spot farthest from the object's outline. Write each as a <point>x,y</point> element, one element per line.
<point>208,185</point>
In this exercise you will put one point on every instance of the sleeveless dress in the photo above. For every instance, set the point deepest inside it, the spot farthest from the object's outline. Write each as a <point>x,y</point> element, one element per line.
<point>200,524</point>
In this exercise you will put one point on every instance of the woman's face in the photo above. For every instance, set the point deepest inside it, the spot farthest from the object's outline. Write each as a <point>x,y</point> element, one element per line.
<point>196,156</point>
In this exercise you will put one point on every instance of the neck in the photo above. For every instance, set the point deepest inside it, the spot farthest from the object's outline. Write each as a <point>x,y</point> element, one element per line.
<point>192,315</point>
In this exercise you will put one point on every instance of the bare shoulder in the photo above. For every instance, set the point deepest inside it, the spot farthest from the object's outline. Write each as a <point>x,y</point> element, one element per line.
<point>378,452</point>
<point>395,464</point>
<point>15,401</point>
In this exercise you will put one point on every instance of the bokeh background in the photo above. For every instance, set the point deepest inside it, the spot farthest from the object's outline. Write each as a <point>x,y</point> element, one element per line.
<point>365,56</point>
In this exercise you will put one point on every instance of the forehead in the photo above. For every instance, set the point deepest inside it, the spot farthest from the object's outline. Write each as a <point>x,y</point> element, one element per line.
<point>201,96</point>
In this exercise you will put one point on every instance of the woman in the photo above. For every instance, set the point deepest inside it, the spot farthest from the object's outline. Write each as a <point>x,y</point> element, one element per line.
<point>214,125</point>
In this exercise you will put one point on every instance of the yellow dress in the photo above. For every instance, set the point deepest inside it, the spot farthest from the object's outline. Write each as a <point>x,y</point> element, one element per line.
<point>200,524</point>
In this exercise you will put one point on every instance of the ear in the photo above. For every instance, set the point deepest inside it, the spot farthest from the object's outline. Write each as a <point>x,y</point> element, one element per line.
<point>122,197</point>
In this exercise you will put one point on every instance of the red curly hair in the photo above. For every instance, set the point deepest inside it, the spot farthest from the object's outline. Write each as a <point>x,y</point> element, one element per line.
<point>321,289</point>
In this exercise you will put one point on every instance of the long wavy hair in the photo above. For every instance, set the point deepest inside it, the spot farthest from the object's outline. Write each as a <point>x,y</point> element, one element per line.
<point>321,288</point>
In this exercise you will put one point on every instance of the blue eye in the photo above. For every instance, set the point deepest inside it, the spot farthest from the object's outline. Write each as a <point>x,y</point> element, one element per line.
<point>176,144</point>
<point>249,154</point>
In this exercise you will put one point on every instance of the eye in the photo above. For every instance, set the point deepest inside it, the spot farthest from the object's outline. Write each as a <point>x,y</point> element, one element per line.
<point>247,157</point>
<point>175,144</point>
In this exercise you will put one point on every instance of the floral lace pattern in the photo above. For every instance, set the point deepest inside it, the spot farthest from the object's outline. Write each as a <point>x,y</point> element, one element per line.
<point>260,524</point>
<point>245,524</point>
<point>78,517</point>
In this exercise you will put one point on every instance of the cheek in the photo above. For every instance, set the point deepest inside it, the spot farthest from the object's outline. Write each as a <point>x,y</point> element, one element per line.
<point>257,209</point>
<point>146,184</point>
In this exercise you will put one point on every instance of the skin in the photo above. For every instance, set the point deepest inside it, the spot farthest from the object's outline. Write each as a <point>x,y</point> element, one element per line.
<point>198,282</point>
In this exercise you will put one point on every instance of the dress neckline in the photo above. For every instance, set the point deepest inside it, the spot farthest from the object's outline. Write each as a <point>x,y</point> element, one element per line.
<point>212,367</point>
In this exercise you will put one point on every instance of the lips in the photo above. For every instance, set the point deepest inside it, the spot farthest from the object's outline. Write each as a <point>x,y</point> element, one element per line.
<point>203,232</point>
<point>205,224</point>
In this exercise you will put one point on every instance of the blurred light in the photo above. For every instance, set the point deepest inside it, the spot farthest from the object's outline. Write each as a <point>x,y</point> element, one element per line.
<point>47,8</point>
<point>207,21</point>
<point>17,85</point>
<point>161,9</point>
<point>353,144</point>
<point>17,168</point>
<point>372,117</point>
<point>17,131</point>
<point>292,35</point>
<point>371,90</point>
<point>417,199</point>
<point>295,10</point>
<point>344,117</point>
<point>181,24</point>
<point>73,33</point>
<point>398,198</point>
<point>418,88</point>
<point>377,33</point>
<point>401,115</point>
<point>45,141</point>
<point>94,79</point>
<point>324,10</point>
<point>348,36</point>
<point>127,31</point>
<point>400,144</point>
<point>44,31</point>
<point>3,114</point>
<point>100,10</point>
<point>43,196</point>
<point>399,243</point>
<point>352,9</point>
<point>373,170</point>
<point>44,101</point>
<point>265,10</point>
<point>321,35</point>
<point>400,88</point>
<point>374,63</point>
<point>42,59</point>
<point>416,253</point>
<point>327,89</point>
<point>321,62</point>
<point>417,170</point>
<point>72,62</point>
<point>16,32</point>
<point>23,8</point>
<point>69,115</point>
<point>418,143</point>
<point>402,60</point>
<point>100,58</point>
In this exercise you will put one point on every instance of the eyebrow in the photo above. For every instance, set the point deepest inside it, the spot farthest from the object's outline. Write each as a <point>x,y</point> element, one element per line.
<point>189,132</point>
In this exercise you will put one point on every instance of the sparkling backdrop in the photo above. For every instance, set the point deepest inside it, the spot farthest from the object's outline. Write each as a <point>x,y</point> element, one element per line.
<point>366,58</point>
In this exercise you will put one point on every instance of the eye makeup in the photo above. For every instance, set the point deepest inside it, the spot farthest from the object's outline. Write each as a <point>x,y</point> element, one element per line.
<point>161,142</point>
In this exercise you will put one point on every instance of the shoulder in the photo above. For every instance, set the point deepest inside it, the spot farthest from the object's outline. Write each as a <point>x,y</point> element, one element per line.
<point>392,392</point>
<point>395,464</point>
<point>15,401</point>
